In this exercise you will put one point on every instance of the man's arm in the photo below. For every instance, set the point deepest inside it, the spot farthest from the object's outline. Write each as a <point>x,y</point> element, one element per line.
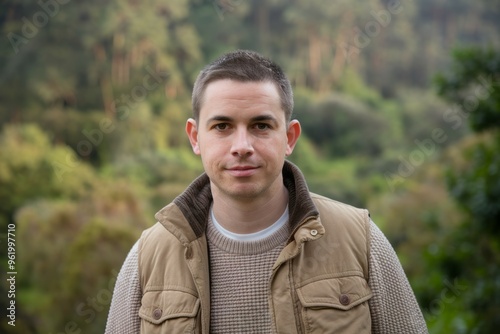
<point>123,317</point>
<point>393,307</point>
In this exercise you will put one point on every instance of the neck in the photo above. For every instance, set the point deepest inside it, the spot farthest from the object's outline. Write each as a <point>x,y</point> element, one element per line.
<point>244,217</point>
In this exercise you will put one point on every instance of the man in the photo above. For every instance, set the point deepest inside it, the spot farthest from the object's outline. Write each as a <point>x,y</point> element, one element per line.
<point>246,248</point>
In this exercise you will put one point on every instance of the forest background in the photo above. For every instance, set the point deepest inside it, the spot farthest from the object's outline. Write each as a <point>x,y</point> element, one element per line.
<point>400,107</point>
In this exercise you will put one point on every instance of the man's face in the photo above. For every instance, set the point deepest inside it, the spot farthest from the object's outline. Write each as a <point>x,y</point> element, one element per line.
<point>243,138</point>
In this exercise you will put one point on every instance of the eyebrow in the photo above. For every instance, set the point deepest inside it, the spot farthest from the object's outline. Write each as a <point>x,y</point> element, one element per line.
<point>260,118</point>
<point>219,119</point>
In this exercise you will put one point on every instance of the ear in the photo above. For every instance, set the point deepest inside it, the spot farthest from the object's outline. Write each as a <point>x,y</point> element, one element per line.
<point>192,132</point>
<point>292,134</point>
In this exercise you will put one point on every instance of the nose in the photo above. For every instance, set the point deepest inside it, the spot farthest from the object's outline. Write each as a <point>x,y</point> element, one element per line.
<point>242,144</point>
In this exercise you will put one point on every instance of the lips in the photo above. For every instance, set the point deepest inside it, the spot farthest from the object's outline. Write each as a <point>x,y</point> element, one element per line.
<point>242,171</point>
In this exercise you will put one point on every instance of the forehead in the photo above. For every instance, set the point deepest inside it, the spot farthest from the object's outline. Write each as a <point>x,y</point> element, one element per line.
<point>228,95</point>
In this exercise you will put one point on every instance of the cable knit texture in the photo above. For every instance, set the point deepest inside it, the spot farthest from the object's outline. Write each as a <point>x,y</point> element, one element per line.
<point>393,306</point>
<point>124,311</point>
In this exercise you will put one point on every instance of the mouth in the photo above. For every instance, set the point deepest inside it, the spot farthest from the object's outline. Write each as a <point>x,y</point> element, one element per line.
<point>242,171</point>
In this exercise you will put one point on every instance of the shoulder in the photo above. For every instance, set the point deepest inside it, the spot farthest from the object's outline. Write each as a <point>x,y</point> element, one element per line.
<point>322,200</point>
<point>331,209</point>
<point>156,240</point>
<point>154,232</point>
<point>347,229</point>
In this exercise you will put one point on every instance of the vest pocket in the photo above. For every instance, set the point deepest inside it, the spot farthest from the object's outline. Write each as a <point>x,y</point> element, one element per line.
<point>169,311</point>
<point>336,305</point>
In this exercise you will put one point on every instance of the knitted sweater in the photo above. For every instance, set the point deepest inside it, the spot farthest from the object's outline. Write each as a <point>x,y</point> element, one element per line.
<point>393,306</point>
<point>239,276</point>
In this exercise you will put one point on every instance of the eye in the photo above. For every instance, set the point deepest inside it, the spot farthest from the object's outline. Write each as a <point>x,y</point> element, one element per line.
<point>221,126</point>
<point>262,126</point>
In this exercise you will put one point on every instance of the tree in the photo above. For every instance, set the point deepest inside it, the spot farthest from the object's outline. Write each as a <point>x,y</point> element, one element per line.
<point>471,253</point>
<point>342,126</point>
<point>31,168</point>
<point>473,85</point>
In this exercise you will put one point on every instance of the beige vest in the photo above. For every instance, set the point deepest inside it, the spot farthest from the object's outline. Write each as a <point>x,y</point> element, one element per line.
<point>318,284</point>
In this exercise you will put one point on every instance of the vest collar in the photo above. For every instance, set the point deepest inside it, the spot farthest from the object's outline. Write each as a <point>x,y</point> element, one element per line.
<point>195,201</point>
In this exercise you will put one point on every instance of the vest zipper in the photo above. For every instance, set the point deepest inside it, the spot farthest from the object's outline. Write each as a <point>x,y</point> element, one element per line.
<point>298,318</point>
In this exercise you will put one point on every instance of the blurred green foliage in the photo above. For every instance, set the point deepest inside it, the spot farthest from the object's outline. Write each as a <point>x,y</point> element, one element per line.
<point>94,97</point>
<point>471,252</point>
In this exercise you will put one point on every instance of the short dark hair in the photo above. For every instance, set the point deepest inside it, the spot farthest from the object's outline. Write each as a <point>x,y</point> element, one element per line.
<point>244,66</point>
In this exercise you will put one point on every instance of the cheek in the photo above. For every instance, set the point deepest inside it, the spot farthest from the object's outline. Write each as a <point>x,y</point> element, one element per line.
<point>272,153</point>
<point>277,146</point>
<point>211,153</point>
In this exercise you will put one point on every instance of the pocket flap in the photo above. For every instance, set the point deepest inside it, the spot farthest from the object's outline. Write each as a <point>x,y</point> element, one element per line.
<point>158,306</point>
<point>341,293</point>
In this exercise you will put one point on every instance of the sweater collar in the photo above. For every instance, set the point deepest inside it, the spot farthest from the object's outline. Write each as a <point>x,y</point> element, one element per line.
<point>195,201</point>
